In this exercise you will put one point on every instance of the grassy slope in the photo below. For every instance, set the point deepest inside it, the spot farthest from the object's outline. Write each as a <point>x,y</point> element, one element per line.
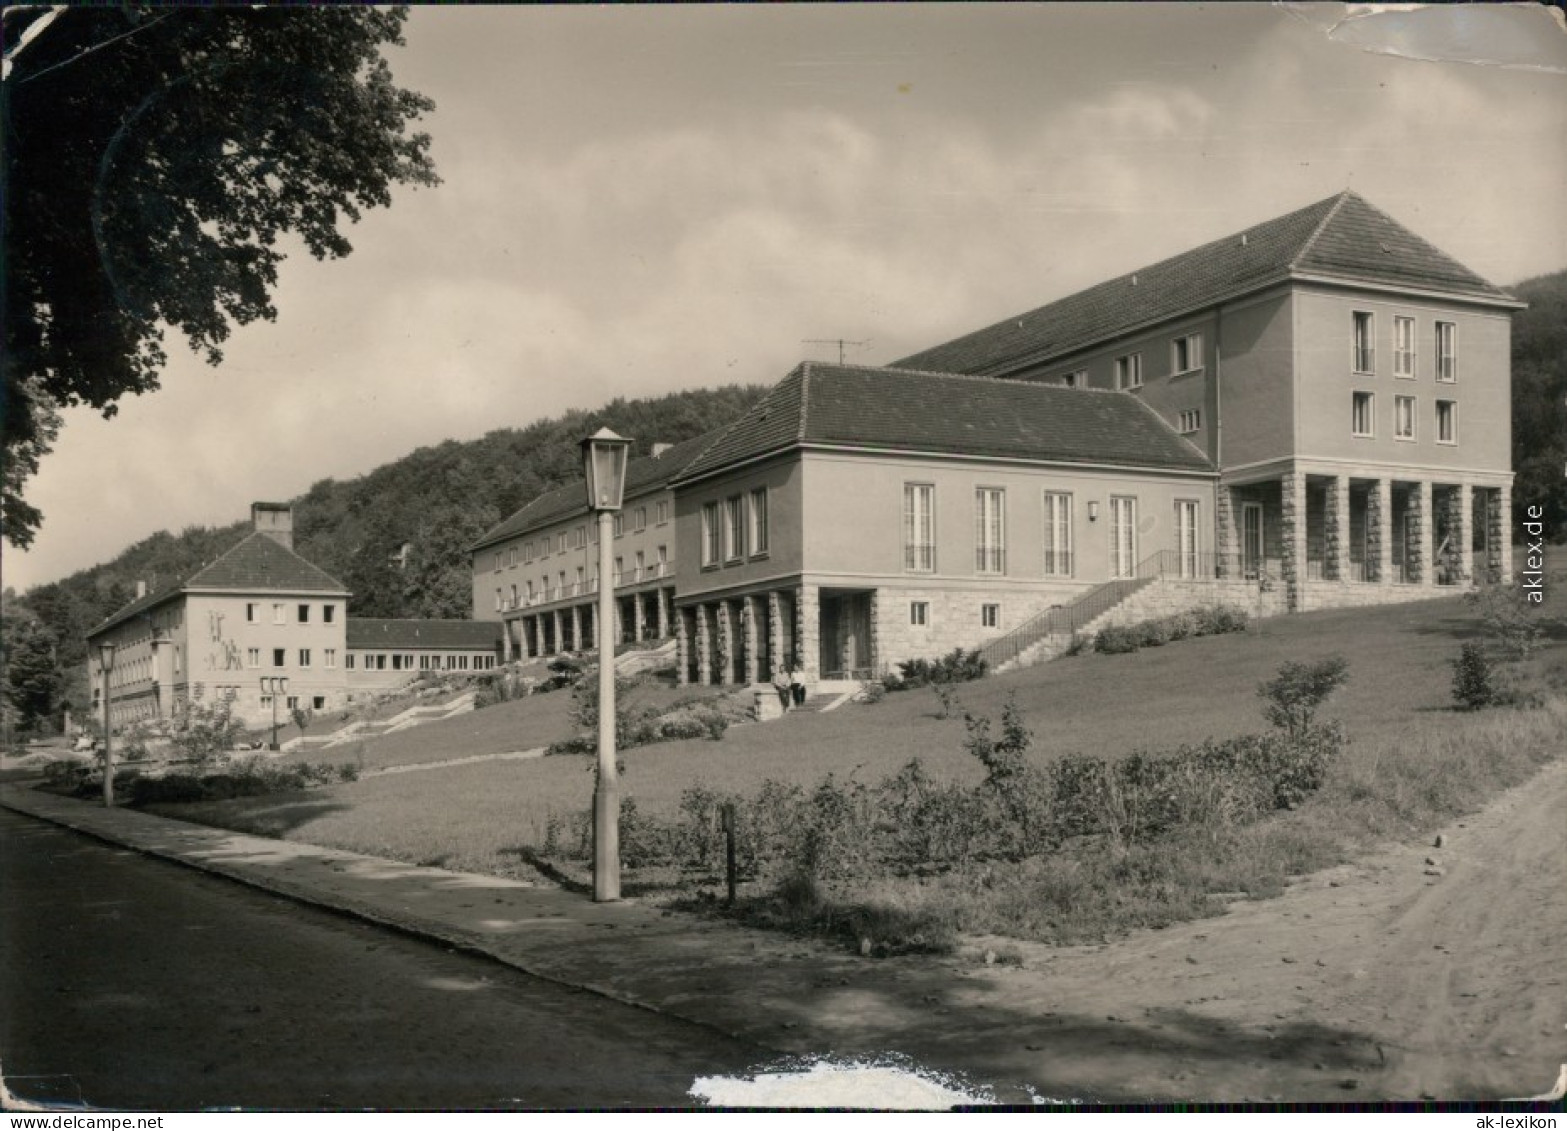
<point>477,816</point>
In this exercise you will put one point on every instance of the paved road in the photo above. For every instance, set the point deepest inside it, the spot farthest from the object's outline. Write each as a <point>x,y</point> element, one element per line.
<point>127,982</point>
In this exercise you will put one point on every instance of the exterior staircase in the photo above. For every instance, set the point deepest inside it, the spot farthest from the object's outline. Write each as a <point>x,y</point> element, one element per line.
<point>1053,630</point>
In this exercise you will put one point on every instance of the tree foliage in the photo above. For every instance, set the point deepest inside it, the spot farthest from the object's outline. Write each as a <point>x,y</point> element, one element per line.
<point>1539,396</point>
<point>1291,698</point>
<point>154,158</point>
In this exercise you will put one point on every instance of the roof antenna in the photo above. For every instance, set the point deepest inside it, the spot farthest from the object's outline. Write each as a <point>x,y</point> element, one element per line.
<point>839,342</point>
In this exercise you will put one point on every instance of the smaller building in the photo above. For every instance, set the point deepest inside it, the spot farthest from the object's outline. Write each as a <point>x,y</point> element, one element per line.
<point>383,654</point>
<point>227,629</point>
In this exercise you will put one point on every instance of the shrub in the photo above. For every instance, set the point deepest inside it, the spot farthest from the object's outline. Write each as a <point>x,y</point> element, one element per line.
<point>957,666</point>
<point>1117,639</point>
<point>501,687</point>
<point>204,732</point>
<point>1505,615</point>
<point>1216,620</point>
<point>1474,682</point>
<point>1294,695</point>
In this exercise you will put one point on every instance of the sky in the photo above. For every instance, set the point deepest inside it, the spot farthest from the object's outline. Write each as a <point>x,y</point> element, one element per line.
<point>641,200</point>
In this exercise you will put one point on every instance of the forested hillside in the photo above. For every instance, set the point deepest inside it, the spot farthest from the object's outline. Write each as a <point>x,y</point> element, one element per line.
<point>436,501</point>
<point>1540,401</point>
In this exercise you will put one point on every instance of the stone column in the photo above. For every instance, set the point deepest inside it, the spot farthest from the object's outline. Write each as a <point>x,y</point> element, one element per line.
<point>662,596</point>
<point>618,634</point>
<point>726,644</point>
<point>775,655</point>
<point>1293,491</point>
<point>682,650</point>
<point>1498,535</point>
<point>1460,523</point>
<point>704,646</point>
<point>1226,539</point>
<point>556,642</point>
<point>1379,532</point>
<point>876,627</point>
<point>807,628</point>
<point>638,617</point>
<point>1335,537</point>
<point>752,638</point>
<point>506,627</point>
<point>1417,554</point>
<point>576,628</point>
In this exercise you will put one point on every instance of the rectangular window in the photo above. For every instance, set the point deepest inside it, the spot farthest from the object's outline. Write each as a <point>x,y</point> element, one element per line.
<point>1077,379</point>
<point>640,523</point>
<point>1190,420</point>
<point>530,592</point>
<point>990,530</point>
<point>661,511</point>
<point>1123,535</point>
<point>279,613</point>
<point>1362,418</point>
<point>330,655</point>
<point>304,614</point>
<point>734,528</point>
<point>1058,534</point>
<point>304,657</point>
<point>348,661</point>
<point>251,613</point>
<point>710,534</point>
<point>618,563</point>
<point>1129,371</point>
<point>560,542</point>
<point>318,703</point>
<point>1364,332</point>
<point>619,523</point>
<point>919,531</point>
<point>500,602</point>
<point>560,589</point>
<point>919,613</point>
<point>662,565</point>
<point>293,702</point>
<point>758,531</point>
<point>328,614</point>
<point>990,616</point>
<point>1446,351</point>
<point>1186,537</point>
<point>496,563</point>
<point>1403,346</point>
<point>511,558</point>
<point>593,534</point>
<point>1447,422</point>
<point>579,537</point>
<point>1186,354</point>
<point>1403,418</point>
<point>638,565</point>
<point>279,657</point>
<point>253,657</point>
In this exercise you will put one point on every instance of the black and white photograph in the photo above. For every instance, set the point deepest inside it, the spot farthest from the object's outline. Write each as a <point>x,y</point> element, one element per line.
<point>884,557</point>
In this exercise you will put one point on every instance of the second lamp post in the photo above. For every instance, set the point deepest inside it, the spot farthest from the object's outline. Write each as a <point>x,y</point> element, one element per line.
<point>604,470</point>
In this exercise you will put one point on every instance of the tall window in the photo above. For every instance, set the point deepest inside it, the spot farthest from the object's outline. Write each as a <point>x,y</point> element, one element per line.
<point>279,614</point>
<point>1446,351</point>
<point>1447,422</point>
<point>1186,353</point>
<point>1403,347</point>
<point>330,657</point>
<point>734,528</point>
<point>279,657</point>
<point>620,523</point>
<point>639,522</point>
<point>500,602</point>
<point>253,657</point>
<point>576,585</point>
<point>514,595</point>
<point>1403,418</point>
<point>759,520</point>
<point>663,560</point>
<point>328,613</point>
<point>919,533</point>
<point>1058,534</point>
<point>661,511</point>
<point>304,657</point>
<point>638,564</point>
<point>711,535</point>
<point>1129,371</point>
<point>1364,332</point>
<point>990,530</point>
<point>250,613</point>
<point>304,614</point>
<point>1123,535</point>
<point>619,565</point>
<point>1186,537</point>
<point>1362,415</point>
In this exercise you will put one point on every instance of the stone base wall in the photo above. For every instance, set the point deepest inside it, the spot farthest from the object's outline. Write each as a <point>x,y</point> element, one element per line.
<point>1350,595</point>
<point>1166,598</point>
<point>954,619</point>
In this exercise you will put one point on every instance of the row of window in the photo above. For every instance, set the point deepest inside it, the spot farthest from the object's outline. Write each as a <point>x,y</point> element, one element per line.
<point>1364,350</point>
<point>734,529</point>
<point>302,613</point>
<point>989,614</point>
<point>280,657</point>
<point>990,531</point>
<point>1406,415</point>
<point>317,702</point>
<point>1185,357</point>
<point>584,534</point>
<point>583,581</point>
<point>404,662</point>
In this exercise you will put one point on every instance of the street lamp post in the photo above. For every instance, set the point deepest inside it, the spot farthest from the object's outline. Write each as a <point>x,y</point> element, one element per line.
<point>275,686</point>
<point>106,665</point>
<point>604,471</point>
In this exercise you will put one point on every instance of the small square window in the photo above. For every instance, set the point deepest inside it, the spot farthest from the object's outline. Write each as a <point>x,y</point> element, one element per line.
<point>990,616</point>
<point>919,613</point>
<point>318,702</point>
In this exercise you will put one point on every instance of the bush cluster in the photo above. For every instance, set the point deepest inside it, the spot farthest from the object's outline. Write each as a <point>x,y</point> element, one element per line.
<point>245,777</point>
<point>1209,620</point>
<point>644,726</point>
<point>957,666</point>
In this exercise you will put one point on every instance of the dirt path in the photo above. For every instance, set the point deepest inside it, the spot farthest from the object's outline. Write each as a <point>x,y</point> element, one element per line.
<point>1377,980</point>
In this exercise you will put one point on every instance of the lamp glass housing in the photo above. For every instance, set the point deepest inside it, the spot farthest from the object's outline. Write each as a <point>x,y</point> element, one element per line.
<point>106,657</point>
<point>604,469</point>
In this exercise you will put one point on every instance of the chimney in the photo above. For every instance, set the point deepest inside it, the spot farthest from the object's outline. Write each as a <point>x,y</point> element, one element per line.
<point>660,449</point>
<point>141,590</point>
<point>276,521</point>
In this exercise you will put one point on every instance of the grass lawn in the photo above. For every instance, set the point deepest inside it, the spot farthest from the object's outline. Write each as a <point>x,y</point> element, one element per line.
<point>477,817</point>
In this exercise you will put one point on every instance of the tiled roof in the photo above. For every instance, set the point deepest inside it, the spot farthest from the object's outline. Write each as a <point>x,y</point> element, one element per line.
<point>258,564</point>
<point>464,635</point>
<point>899,410</point>
<point>1342,237</point>
<point>643,475</point>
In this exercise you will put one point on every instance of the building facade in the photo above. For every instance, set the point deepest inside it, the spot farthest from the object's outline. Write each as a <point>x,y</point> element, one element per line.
<point>260,611</point>
<point>1316,408</point>
<point>382,655</point>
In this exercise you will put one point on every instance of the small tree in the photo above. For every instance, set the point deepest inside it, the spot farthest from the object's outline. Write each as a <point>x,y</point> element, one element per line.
<point>1293,696</point>
<point>205,732</point>
<point>302,716</point>
<point>1474,684</point>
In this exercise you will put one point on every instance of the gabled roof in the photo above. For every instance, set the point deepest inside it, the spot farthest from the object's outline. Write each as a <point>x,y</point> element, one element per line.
<point>1341,238</point>
<point>867,408</point>
<point>258,564</point>
<point>464,635</point>
<point>643,475</point>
